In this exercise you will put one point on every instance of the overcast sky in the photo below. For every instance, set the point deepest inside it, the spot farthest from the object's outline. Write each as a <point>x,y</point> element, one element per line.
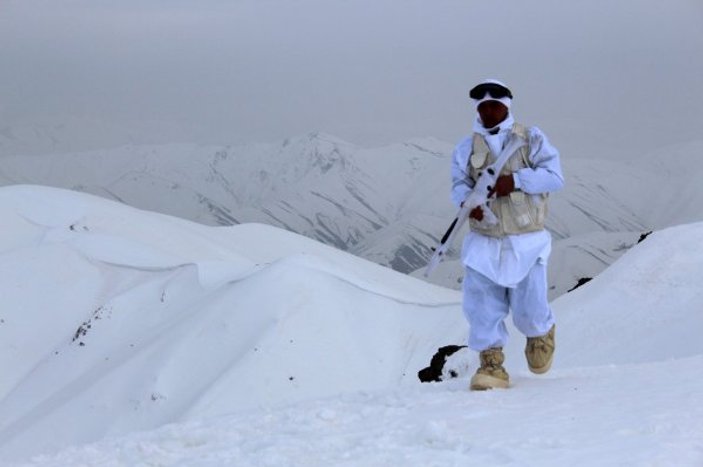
<point>603,76</point>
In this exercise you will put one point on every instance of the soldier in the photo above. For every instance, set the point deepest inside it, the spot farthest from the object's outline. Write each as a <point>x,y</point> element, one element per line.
<point>506,263</point>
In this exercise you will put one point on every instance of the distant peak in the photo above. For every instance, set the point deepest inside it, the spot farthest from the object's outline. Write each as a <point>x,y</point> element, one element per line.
<point>319,142</point>
<point>327,138</point>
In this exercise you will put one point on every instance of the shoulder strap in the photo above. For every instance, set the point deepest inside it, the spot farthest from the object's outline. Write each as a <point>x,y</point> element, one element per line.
<point>522,132</point>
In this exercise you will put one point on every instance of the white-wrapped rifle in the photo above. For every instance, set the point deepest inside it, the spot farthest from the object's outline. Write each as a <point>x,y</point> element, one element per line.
<point>479,196</point>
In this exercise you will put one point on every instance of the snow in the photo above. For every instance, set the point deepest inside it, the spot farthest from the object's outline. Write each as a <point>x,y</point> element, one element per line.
<point>584,417</point>
<point>129,302</point>
<point>133,338</point>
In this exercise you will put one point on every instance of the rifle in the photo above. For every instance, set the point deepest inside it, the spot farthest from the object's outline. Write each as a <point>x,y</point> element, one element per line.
<point>482,191</point>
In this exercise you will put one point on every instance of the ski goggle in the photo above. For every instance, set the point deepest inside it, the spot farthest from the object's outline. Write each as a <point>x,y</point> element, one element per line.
<point>495,90</point>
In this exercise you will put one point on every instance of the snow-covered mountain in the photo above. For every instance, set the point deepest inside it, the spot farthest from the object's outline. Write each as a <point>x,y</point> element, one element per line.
<point>316,185</point>
<point>262,347</point>
<point>387,204</point>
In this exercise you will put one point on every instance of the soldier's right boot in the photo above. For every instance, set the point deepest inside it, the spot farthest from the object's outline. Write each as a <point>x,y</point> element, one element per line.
<point>491,374</point>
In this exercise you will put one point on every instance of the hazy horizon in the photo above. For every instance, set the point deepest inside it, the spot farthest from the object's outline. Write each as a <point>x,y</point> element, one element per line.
<point>599,77</point>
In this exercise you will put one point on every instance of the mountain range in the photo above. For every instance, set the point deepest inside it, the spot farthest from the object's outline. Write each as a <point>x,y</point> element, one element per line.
<point>387,204</point>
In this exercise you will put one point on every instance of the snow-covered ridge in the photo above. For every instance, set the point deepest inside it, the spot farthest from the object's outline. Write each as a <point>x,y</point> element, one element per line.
<point>117,320</point>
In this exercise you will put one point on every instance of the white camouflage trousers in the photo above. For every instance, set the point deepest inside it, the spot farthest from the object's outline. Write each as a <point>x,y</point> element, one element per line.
<point>487,304</point>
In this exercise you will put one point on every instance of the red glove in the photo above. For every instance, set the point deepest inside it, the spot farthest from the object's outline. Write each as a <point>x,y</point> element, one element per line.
<point>505,184</point>
<point>476,213</point>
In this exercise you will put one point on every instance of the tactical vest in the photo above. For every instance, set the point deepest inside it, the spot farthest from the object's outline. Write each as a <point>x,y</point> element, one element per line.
<point>518,212</point>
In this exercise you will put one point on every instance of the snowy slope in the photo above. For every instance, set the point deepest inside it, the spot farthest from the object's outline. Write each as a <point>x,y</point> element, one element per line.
<point>322,371</point>
<point>107,308</point>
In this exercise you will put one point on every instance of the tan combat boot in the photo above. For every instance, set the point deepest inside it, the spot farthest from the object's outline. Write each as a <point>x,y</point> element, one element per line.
<point>540,352</point>
<point>491,374</point>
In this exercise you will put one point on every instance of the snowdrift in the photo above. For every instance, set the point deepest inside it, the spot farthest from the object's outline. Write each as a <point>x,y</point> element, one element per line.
<point>121,320</point>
